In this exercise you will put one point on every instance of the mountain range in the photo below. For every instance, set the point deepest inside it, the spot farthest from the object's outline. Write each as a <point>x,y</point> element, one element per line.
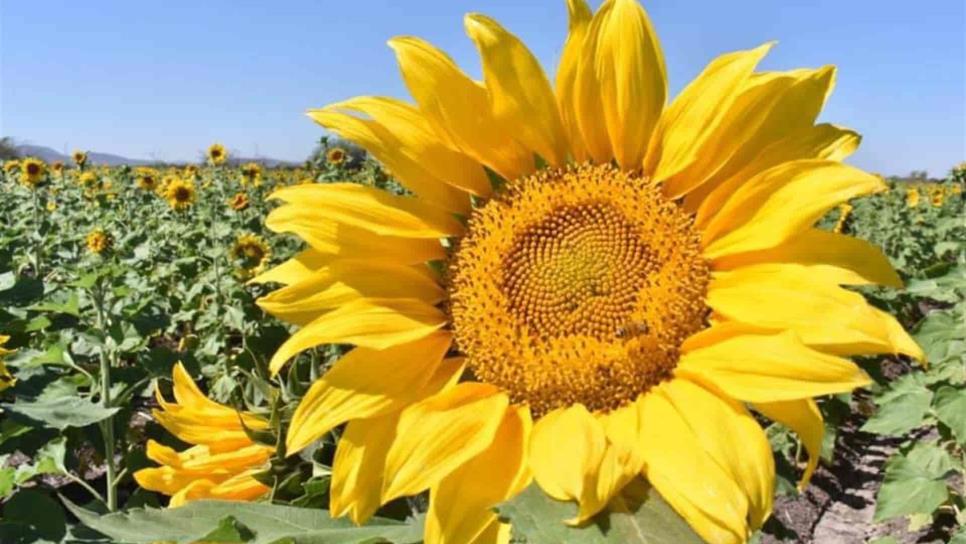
<point>49,155</point>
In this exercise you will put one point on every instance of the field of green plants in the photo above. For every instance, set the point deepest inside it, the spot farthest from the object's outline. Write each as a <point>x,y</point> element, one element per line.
<point>111,277</point>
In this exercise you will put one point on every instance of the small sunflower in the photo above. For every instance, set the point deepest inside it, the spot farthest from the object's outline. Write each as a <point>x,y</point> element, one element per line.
<point>98,241</point>
<point>251,173</point>
<point>643,275</point>
<point>32,172</point>
<point>147,178</point>
<point>88,180</point>
<point>180,193</point>
<point>912,197</point>
<point>238,202</point>
<point>217,154</point>
<point>222,461</point>
<point>6,379</point>
<point>79,158</point>
<point>335,156</point>
<point>936,197</point>
<point>251,254</point>
<point>11,166</point>
<point>51,206</point>
<point>57,167</point>
<point>845,210</point>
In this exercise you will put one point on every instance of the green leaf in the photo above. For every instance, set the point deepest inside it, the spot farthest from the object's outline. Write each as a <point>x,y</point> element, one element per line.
<point>62,412</point>
<point>230,530</point>
<point>33,516</point>
<point>263,524</point>
<point>914,483</point>
<point>71,306</point>
<point>941,336</point>
<point>950,406</point>
<point>638,515</point>
<point>900,412</point>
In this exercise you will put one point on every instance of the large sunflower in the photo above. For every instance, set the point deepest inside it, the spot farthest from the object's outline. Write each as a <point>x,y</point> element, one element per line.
<point>587,284</point>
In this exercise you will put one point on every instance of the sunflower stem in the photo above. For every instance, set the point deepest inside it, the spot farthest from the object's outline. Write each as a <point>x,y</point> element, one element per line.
<point>107,425</point>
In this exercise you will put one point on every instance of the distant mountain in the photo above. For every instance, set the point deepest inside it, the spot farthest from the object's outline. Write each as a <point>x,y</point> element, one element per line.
<point>50,155</point>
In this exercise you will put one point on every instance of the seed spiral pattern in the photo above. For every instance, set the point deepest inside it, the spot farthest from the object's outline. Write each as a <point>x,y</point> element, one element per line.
<point>577,285</point>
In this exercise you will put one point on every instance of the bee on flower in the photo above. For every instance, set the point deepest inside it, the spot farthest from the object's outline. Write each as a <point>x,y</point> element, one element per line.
<point>238,202</point>
<point>180,193</point>
<point>32,172</point>
<point>217,154</point>
<point>80,158</point>
<point>250,254</point>
<point>98,241</point>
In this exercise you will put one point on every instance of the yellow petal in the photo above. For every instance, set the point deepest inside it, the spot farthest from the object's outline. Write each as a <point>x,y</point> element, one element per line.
<point>520,94</point>
<point>198,489</point>
<point>847,260</point>
<point>623,428</point>
<point>771,106</point>
<point>357,469</point>
<point>401,153</point>
<point>579,21</point>
<point>369,323</point>
<point>689,479</point>
<point>294,270</point>
<point>782,202</point>
<point>242,487</point>
<point>803,417</point>
<point>438,435</point>
<point>691,118</point>
<point>334,239</point>
<point>732,437</point>
<point>764,368</point>
<point>344,281</point>
<point>372,209</point>
<point>820,312</point>
<point>824,141</point>
<point>366,383</point>
<point>588,470</point>
<point>495,533</point>
<point>621,78</point>
<point>460,505</point>
<point>419,144</point>
<point>458,108</point>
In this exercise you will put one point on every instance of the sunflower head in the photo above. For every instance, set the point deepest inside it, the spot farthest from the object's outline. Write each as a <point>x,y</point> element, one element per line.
<point>239,202</point>
<point>79,157</point>
<point>180,193</point>
<point>912,197</point>
<point>11,166</point>
<point>147,178</point>
<point>250,254</point>
<point>6,379</point>
<point>222,459</point>
<point>98,241</point>
<point>217,154</point>
<point>936,197</point>
<point>251,172</point>
<point>32,172</point>
<point>335,156</point>
<point>191,171</point>
<point>88,179</point>
<point>57,167</point>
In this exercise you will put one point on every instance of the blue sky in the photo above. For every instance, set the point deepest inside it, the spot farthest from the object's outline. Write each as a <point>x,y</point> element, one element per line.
<point>164,79</point>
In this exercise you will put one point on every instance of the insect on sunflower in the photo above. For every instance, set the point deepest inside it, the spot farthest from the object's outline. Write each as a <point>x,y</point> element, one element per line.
<point>641,276</point>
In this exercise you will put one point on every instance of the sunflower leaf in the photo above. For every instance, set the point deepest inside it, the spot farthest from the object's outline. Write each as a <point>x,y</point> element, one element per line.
<point>251,523</point>
<point>637,516</point>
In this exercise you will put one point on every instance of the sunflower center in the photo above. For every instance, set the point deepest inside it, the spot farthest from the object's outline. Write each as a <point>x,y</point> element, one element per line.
<point>181,194</point>
<point>33,169</point>
<point>577,285</point>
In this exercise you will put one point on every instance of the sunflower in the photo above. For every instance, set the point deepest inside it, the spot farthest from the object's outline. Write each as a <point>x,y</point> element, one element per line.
<point>222,461</point>
<point>936,198</point>
<point>79,158</point>
<point>51,206</point>
<point>32,172</point>
<point>635,279</point>
<point>191,171</point>
<point>912,197</point>
<point>98,241</point>
<point>6,379</point>
<point>11,166</point>
<point>57,167</point>
<point>88,180</point>
<point>335,156</point>
<point>251,173</point>
<point>250,253</point>
<point>180,193</point>
<point>147,178</point>
<point>238,202</point>
<point>217,154</point>
<point>845,210</point>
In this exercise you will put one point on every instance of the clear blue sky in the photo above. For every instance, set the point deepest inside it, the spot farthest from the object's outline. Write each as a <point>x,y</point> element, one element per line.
<point>164,79</point>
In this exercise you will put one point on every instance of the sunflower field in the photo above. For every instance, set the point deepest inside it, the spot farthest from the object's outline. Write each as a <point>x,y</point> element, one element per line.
<point>518,310</point>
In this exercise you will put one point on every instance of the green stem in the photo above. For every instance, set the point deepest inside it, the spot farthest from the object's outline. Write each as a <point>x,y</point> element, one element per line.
<point>107,426</point>
<point>39,245</point>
